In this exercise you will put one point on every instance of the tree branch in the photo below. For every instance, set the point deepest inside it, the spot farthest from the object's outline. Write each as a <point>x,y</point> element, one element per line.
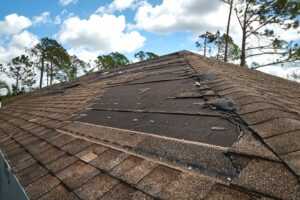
<point>266,53</point>
<point>274,63</point>
<point>237,16</point>
<point>262,25</point>
<point>260,47</point>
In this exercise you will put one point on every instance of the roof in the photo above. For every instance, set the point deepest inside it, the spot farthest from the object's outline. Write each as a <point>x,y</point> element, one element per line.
<point>177,127</point>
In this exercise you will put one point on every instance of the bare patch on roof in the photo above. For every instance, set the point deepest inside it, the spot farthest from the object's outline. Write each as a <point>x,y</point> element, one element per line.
<point>166,102</point>
<point>188,127</point>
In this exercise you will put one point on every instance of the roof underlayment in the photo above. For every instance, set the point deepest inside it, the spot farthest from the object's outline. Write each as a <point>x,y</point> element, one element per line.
<point>177,127</point>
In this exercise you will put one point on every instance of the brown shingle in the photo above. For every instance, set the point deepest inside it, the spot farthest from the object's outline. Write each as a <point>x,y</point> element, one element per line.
<point>277,126</point>
<point>22,163</point>
<point>31,174</point>
<point>76,146</point>
<point>250,145</point>
<point>124,192</point>
<point>254,107</point>
<point>49,155</point>
<point>77,174</point>
<point>28,140</point>
<point>49,135</point>
<point>133,169</point>
<point>264,115</point>
<point>41,186</point>
<point>9,145</point>
<point>269,178</point>
<point>158,180</point>
<point>293,159</point>
<point>220,192</point>
<point>59,193</point>
<point>109,159</point>
<point>61,139</point>
<point>61,163</point>
<point>96,187</point>
<point>38,147</point>
<point>14,150</point>
<point>188,187</point>
<point>285,143</point>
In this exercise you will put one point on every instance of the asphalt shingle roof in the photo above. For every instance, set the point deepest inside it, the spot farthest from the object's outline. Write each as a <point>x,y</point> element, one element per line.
<point>177,127</point>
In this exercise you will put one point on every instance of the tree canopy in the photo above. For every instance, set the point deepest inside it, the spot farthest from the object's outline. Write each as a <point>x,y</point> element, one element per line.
<point>111,61</point>
<point>21,70</point>
<point>215,44</point>
<point>255,18</point>
<point>142,55</point>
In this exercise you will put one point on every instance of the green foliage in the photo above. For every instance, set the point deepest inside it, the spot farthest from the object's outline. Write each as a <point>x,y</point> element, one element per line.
<point>75,65</point>
<point>21,70</point>
<point>215,43</point>
<point>52,59</point>
<point>142,55</point>
<point>233,49</point>
<point>206,41</point>
<point>151,55</point>
<point>111,61</point>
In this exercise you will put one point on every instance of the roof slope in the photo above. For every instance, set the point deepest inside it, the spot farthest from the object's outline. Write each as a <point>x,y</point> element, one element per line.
<point>177,127</point>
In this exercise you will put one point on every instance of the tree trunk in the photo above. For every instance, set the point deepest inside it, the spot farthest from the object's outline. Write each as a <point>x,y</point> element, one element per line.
<point>51,72</point>
<point>244,38</point>
<point>227,31</point>
<point>17,84</point>
<point>47,75</point>
<point>42,72</point>
<point>205,41</point>
<point>219,50</point>
<point>243,50</point>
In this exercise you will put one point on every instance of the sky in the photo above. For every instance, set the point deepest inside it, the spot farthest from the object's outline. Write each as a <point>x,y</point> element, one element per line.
<point>88,28</point>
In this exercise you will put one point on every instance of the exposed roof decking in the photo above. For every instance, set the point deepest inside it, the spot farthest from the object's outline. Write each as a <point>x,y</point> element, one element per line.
<point>56,157</point>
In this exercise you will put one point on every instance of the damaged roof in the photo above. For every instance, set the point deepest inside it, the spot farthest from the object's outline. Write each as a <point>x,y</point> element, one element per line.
<point>177,127</point>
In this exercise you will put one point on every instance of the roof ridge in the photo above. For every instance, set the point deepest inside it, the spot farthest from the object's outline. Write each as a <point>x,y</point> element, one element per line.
<point>214,61</point>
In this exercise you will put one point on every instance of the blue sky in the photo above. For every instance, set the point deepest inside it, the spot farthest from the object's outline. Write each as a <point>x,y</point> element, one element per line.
<point>88,28</point>
<point>173,41</point>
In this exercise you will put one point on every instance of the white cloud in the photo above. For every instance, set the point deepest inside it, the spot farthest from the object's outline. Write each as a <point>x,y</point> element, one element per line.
<point>17,45</point>
<point>283,72</point>
<point>83,54</point>
<point>43,18</point>
<point>15,36</point>
<point>122,4</point>
<point>117,5</point>
<point>67,2</point>
<point>13,24</point>
<point>184,15</point>
<point>24,40</point>
<point>15,39</point>
<point>99,34</point>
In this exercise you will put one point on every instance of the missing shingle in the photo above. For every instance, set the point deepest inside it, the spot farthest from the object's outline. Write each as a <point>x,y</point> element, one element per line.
<point>89,157</point>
